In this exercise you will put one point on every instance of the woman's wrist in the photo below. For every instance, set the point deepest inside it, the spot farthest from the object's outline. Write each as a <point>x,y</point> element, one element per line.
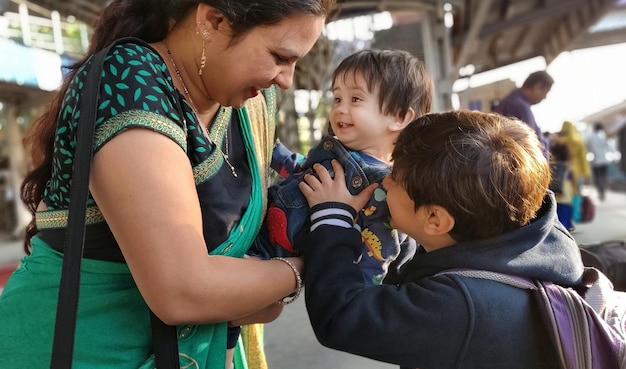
<point>293,296</point>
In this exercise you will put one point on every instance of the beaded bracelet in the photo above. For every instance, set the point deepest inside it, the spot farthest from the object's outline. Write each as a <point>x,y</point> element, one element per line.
<point>291,298</point>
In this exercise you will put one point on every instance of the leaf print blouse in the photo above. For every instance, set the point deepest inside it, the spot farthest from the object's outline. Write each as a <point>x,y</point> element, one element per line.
<point>136,91</point>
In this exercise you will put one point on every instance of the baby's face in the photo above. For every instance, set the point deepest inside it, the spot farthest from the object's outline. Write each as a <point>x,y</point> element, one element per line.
<point>357,120</point>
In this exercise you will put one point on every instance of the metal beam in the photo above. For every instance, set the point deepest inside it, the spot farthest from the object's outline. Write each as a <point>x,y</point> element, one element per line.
<point>471,38</point>
<point>588,15</point>
<point>372,6</point>
<point>550,11</point>
<point>600,39</point>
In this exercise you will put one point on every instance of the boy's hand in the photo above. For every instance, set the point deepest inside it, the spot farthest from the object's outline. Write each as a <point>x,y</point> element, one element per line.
<point>327,189</point>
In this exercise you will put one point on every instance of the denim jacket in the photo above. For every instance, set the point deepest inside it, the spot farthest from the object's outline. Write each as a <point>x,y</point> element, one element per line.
<point>287,218</point>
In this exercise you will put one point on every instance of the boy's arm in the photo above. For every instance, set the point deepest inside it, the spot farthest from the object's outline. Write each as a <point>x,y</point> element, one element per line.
<point>286,162</point>
<point>403,325</point>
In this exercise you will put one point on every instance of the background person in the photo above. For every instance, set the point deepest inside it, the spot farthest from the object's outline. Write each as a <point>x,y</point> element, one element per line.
<point>518,103</point>
<point>581,171</point>
<point>601,151</point>
<point>560,162</point>
<point>177,195</point>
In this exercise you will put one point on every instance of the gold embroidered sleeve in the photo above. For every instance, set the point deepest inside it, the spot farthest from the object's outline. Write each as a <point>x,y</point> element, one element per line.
<point>139,119</point>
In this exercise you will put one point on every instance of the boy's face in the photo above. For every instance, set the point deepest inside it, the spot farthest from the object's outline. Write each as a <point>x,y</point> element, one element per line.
<point>402,209</point>
<point>357,120</point>
<point>429,225</point>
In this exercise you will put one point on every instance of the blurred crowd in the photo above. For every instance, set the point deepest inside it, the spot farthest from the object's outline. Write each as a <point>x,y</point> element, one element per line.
<point>585,163</point>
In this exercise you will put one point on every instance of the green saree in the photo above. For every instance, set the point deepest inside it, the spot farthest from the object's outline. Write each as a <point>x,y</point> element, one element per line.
<point>113,329</point>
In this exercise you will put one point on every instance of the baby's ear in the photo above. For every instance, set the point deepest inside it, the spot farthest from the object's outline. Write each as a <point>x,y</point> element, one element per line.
<point>402,121</point>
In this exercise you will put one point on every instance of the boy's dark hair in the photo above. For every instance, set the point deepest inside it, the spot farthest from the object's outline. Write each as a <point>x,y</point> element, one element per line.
<point>487,170</point>
<point>538,78</point>
<point>401,79</point>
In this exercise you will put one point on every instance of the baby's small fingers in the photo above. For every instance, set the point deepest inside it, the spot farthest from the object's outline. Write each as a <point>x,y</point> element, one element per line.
<point>305,188</point>
<point>322,173</point>
<point>338,168</point>
<point>310,180</point>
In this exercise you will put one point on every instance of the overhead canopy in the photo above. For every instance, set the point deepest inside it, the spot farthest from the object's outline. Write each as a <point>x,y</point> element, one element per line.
<point>486,34</point>
<point>492,33</point>
<point>612,118</point>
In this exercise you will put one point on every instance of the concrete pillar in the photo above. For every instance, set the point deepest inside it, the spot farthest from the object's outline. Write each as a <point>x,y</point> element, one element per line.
<point>17,167</point>
<point>287,123</point>
<point>437,56</point>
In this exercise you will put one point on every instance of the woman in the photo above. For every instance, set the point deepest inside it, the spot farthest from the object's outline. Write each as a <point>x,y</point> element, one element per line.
<point>183,134</point>
<point>580,169</point>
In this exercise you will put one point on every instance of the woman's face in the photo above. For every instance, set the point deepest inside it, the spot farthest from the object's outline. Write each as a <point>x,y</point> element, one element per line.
<point>263,57</point>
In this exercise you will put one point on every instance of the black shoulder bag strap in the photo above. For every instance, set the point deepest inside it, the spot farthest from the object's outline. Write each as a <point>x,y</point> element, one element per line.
<point>165,342</point>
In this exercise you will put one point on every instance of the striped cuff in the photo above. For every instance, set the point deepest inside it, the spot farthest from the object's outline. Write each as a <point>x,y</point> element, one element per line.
<point>332,213</point>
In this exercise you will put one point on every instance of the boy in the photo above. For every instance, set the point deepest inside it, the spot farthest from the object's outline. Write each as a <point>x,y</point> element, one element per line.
<point>376,94</point>
<point>562,172</point>
<point>471,189</point>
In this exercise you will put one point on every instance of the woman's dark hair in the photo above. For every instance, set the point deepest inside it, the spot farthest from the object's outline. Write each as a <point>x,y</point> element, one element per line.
<point>149,20</point>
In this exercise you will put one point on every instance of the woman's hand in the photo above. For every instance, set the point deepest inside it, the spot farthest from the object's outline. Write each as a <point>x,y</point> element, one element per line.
<point>270,312</point>
<point>265,315</point>
<point>327,189</point>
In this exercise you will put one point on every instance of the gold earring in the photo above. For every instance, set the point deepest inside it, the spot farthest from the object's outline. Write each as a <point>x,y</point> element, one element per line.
<point>205,37</point>
<point>202,60</point>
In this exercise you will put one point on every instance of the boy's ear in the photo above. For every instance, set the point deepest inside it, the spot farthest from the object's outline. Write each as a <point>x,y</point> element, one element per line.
<point>402,121</point>
<point>438,221</point>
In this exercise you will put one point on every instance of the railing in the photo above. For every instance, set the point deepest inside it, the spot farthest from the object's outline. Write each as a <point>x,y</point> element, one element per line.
<point>63,37</point>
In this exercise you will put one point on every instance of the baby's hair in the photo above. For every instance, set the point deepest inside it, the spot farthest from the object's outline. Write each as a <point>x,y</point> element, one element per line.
<point>401,79</point>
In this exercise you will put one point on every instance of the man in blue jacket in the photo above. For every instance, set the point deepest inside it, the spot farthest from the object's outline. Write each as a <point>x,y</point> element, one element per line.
<point>472,189</point>
<point>517,104</point>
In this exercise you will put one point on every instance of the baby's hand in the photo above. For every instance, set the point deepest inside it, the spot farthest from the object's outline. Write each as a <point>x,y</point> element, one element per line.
<point>327,189</point>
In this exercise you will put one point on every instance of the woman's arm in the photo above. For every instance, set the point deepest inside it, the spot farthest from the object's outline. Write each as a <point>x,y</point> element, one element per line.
<point>143,184</point>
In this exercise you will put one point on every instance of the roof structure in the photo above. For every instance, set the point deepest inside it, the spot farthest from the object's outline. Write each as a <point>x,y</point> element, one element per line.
<point>486,33</point>
<point>612,118</point>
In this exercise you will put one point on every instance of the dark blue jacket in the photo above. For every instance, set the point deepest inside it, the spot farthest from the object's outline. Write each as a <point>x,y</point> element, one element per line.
<point>418,320</point>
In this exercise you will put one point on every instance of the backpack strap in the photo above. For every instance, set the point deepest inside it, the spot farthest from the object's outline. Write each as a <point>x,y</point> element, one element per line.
<point>584,339</point>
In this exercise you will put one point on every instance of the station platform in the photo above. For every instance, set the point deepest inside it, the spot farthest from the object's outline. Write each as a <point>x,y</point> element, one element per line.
<point>290,341</point>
